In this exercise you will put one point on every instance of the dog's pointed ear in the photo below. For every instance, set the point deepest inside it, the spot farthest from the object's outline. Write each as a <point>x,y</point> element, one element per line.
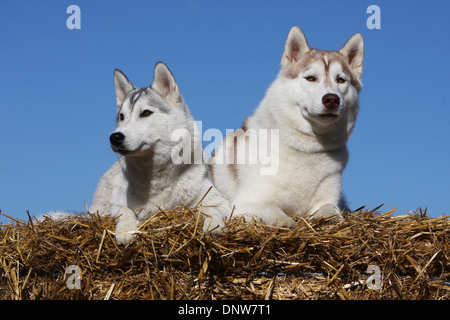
<point>164,84</point>
<point>353,52</point>
<point>122,85</point>
<point>295,47</point>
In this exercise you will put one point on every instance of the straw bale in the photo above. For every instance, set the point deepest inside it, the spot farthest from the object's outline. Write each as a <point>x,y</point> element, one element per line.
<point>172,258</point>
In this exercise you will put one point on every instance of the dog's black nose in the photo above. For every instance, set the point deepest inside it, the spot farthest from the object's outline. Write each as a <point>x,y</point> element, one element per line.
<point>331,101</point>
<point>116,138</point>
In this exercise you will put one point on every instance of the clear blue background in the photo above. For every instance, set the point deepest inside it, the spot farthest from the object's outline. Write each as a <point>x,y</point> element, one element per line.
<point>57,103</point>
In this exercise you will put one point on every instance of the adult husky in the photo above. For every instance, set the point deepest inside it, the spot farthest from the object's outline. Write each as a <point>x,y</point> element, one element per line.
<point>145,179</point>
<point>313,103</point>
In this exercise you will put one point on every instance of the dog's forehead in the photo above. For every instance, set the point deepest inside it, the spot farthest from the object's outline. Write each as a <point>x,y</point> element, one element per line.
<point>143,98</point>
<point>317,59</point>
<point>336,67</point>
<point>316,67</point>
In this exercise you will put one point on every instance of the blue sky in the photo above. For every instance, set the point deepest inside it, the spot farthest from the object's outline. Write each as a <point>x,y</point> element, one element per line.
<point>58,102</point>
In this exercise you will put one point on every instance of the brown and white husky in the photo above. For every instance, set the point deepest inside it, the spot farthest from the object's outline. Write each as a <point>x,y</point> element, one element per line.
<point>312,107</point>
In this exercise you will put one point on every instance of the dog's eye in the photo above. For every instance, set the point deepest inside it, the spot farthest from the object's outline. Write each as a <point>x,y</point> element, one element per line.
<point>310,78</point>
<point>146,113</point>
<point>340,80</point>
<point>121,117</point>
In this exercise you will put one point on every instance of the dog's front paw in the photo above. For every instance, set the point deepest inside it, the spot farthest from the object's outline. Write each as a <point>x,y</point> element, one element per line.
<point>213,222</point>
<point>274,216</point>
<point>126,227</point>
<point>269,215</point>
<point>328,210</point>
<point>214,225</point>
<point>125,237</point>
<point>281,220</point>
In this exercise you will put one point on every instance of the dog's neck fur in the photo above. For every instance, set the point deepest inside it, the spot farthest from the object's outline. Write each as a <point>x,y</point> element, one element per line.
<point>326,138</point>
<point>143,171</point>
<point>321,139</point>
<point>319,142</point>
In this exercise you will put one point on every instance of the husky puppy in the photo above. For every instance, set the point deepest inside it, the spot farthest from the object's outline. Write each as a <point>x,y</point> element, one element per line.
<point>145,178</point>
<point>313,104</point>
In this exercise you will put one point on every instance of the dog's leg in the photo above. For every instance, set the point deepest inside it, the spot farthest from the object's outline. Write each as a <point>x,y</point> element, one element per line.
<point>215,209</point>
<point>126,224</point>
<point>326,200</point>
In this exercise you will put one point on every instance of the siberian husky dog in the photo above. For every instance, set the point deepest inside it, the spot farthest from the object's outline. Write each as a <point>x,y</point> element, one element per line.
<point>313,104</point>
<point>145,179</point>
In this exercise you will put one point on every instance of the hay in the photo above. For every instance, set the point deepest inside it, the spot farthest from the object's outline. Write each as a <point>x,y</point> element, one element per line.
<point>172,259</point>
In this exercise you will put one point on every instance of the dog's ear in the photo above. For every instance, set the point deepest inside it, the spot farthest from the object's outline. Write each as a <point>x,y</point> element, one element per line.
<point>353,52</point>
<point>164,84</point>
<point>122,85</point>
<point>295,47</point>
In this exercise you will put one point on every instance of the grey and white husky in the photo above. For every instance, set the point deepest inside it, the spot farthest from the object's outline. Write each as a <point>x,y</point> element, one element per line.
<point>145,179</point>
<point>313,103</point>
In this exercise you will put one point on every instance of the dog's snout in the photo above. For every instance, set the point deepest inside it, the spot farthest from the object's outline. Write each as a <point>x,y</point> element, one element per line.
<point>117,138</point>
<point>331,101</point>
